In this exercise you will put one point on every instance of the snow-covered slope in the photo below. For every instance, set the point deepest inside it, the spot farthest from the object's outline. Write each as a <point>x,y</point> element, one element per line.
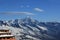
<point>30,29</point>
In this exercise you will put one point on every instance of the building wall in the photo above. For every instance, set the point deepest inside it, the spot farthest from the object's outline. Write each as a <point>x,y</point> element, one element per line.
<point>10,38</point>
<point>4,30</point>
<point>5,33</point>
<point>6,38</point>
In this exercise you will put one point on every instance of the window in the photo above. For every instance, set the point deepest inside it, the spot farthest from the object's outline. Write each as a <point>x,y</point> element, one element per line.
<point>8,37</point>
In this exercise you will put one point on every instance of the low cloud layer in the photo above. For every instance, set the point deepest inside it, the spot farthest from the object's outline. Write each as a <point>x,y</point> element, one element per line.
<point>19,13</point>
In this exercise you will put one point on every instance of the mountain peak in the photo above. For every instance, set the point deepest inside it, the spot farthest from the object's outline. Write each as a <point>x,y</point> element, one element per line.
<point>28,17</point>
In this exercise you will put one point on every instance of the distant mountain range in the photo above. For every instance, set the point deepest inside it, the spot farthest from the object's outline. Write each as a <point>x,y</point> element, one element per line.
<point>31,29</point>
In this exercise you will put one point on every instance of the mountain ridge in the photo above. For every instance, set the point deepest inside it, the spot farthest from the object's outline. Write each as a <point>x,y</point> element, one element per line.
<point>32,29</point>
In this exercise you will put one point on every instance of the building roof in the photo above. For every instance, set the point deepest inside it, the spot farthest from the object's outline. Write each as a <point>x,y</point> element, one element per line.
<point>6,35</point>
<point>3,29</point>
<point>4,32</point>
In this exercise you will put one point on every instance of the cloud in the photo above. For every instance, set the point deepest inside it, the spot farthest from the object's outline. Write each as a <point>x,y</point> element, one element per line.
<point>19,13</point>
<point>38,9</point>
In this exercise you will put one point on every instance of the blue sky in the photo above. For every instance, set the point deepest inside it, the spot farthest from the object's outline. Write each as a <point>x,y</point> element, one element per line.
<point>42,10</point>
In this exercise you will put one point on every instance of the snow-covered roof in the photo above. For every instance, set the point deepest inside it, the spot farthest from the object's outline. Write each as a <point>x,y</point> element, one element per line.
<point>3,29</point>
<point>6,35</point>
<point>4,32</point>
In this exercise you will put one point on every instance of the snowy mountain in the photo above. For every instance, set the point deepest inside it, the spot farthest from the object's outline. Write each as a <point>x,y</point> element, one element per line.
<point>30,29</point>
